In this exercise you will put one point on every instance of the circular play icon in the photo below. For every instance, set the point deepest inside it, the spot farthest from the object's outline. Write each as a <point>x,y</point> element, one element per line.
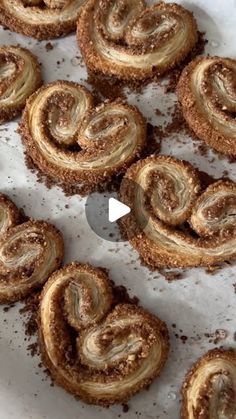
<point>103,210</point>
<point>116,210</point>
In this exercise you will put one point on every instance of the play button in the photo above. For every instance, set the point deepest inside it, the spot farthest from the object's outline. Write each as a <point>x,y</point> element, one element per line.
<point>103,212</point>
<point>116,210</point>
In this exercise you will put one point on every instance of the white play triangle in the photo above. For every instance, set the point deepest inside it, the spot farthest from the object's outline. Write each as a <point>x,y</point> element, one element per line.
<point>117,210</point>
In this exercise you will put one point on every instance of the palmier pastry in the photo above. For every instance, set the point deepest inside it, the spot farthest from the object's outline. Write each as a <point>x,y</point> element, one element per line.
<point>98,350</point>
<point>29,252</point>
<point>207,94</point>
<point>130,41</point>
<point>20,76</point>
<point>41,19</point>
<point>166,199</point>
<point>209,390</point>
<point>76,143</point>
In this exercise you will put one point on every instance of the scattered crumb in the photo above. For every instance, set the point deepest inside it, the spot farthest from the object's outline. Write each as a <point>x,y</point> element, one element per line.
<point>125,408</point>
<point>212,270</point>
<point>8,307</point>
<point>49,46</point>
<point>158,112</point>
<point>171,276</point>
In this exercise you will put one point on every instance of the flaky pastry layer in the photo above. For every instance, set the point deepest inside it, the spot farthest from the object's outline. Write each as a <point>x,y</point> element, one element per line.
<point>209,389</point>
<point>76,143</point>
<point>20,76</point>
<point>207,94</point>
<point>166,199</point>
<point>29,252</point>
<point>131,41</point>
<point>113,349</point>
<point>40,19</point>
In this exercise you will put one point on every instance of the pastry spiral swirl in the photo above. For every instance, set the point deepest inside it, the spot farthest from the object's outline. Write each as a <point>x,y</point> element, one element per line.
<point>40,19</point>
<point>110,351</point>
<point>131,41</point>
<point>207,94</point>
<point>164,195</point>
<point>20,76</point>
<point>9,214</point>
<point>209,390</point>
<point>29,252</point>
<point>75,143</point>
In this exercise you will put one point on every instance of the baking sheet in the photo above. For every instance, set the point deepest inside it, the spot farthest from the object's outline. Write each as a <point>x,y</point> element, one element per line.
<point>197,305</point>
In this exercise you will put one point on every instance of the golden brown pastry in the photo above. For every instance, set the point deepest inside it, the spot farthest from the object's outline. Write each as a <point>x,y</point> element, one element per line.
<point>166,199</point>
<point>209,390</point>
<point>20,76</point>
<point>207,94</point>
<point>9,214</point>
<point>74,142</point>
<point>41,19</point>
<point>29,252</point>
<point>99,350</point>
<point>131,41</point>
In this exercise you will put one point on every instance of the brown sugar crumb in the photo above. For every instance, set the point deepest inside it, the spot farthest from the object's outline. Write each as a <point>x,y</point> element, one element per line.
<point>49,46</point>
<point>107,87</point>
<point>203,149</point>
<point>231,159</point>
<point>30,313</point>
<point>121,295</point>
<point>41,177</point>
<point>158,112</point>
<point>220,334</point>
<point>177,124</point>
<point>217,336</point>
<point>225,174</point>
<point>184,339</point>
<point>8,307</point>
<point>212,270</point>
<point>125,408</point>
<point>171,275</point>
<point>154,139</point>
<point>113,88</point>
<point>33,348</point>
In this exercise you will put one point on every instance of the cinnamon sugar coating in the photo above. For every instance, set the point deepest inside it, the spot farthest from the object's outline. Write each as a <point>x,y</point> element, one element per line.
<point>40,19</point>
<point>29,252</point>
<point>9,214</point>
<point>207,94</point>
<point>130,41</point>
<point>20,76</point>
<point>76,143</point>
<point>173,221</point>
<point>209,389</point>
<point>122,350</point>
